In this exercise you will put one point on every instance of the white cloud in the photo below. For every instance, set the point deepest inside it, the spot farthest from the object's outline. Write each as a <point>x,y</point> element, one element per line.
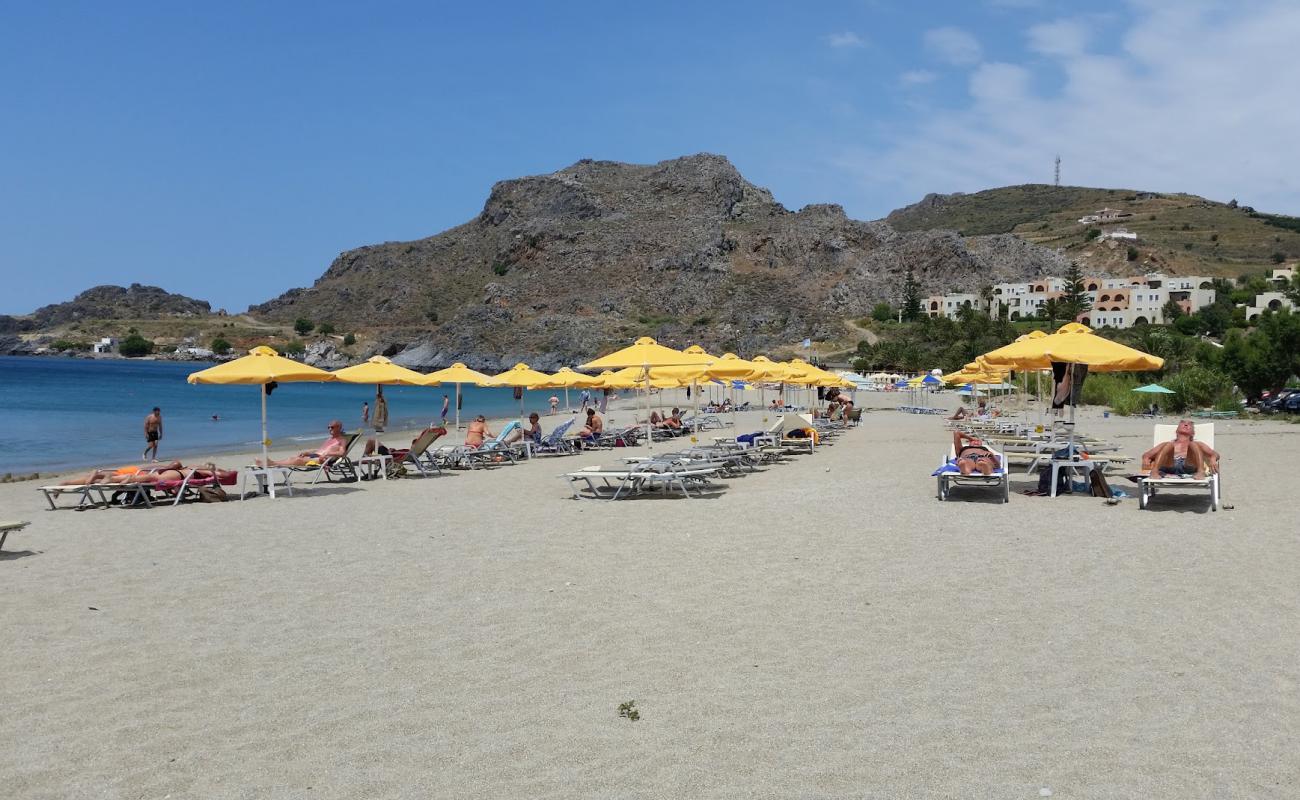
<point>1196,97</point>
<point>953,45</point>
<point>1063,38</point>
<point>917,77</point>
<point>845,39</point>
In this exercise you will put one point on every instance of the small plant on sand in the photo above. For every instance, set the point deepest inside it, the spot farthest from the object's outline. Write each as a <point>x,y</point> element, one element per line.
<point>628,711</point>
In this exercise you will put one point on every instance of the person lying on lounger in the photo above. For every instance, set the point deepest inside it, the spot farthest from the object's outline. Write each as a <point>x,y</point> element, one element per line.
<point>333,447</point>
<point>160,474</point>
<point>980,410</point>
<point>972,455</point>
<point>1183,456</point>
<point>117,475</point>
<point>373,446</point>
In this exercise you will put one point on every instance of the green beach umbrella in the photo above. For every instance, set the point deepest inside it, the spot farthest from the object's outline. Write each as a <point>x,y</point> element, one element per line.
<point>1154,388</point>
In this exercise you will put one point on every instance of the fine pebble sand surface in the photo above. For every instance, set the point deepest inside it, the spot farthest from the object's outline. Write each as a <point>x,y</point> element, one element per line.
<point>823,629</point>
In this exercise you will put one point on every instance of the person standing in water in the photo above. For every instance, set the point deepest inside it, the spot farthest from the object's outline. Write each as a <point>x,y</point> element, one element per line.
<point>446,405</point>
<point>381,410</point>
<point>365,414</point>
<point>153,429</point>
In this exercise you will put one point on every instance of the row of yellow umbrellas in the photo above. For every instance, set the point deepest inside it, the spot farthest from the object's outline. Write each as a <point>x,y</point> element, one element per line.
<point>644,364</point>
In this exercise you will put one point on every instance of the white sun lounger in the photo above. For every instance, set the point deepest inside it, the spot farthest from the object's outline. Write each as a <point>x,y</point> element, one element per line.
<point>7,528</point>
<point>98,495</point>
<point>999,479</point>
<point>616,482</point>
<point>1148,487</point>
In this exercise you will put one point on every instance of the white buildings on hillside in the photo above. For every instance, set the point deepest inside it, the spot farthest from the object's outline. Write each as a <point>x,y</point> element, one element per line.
<point>105,345</point>
<point>1119,235</point>
<point>1116,302</point>
<point>1267,301</point>
<point>1105,216</point>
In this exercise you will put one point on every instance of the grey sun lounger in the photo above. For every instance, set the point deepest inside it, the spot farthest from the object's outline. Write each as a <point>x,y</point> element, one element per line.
<point>7,528</point>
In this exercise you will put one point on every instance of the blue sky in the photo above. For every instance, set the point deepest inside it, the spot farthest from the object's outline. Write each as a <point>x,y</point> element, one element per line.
<point>230,151</point>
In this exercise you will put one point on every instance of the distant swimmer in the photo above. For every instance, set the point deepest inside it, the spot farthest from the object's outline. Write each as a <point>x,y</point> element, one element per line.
<point>216,417</point>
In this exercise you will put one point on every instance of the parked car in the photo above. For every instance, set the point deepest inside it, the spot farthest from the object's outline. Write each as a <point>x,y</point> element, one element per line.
<point>1291,403</point>
<point>1275,403</point>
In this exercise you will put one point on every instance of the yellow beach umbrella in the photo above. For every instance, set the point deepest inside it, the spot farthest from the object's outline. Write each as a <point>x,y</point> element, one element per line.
<point>612,380</point>
<point>260,367</point>
<point>1073,343</point>
<point>379,370</point>
<point>659,377</point>
<point>647,353</point>
<point>457,373</point>
<point>521,376</point>
<point>567,378</point>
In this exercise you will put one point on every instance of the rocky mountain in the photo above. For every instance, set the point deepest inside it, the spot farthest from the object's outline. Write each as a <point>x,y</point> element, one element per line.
<point>1175,233</point>
<point>119,302</point>
<point>560,267</point>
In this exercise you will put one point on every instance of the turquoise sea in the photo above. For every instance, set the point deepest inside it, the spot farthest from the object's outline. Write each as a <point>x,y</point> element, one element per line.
<point>57,413</point>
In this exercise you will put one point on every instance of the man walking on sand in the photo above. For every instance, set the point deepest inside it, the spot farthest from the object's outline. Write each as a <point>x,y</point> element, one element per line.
<point>152,434</point>
<point>446,404</point>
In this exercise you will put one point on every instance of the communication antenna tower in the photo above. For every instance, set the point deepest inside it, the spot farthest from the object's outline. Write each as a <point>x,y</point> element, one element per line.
<point>1058,170</point>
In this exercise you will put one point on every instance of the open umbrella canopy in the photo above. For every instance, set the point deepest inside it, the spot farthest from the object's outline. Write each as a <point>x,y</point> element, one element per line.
<point>456,373</point>
<point>646,352</point>
<point>1154,388</point>
<point>522,376</point>
<point>1073,344</point>
<point>262,365</point>
<point>637,376</point>
<point>379,370</point>
<point>609,379</point>
<point>567,378</point>
<point>696,350</point>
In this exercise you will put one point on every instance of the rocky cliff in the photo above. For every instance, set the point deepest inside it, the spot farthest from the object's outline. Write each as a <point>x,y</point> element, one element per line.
<point>559,267</point>
<point>118,302</point>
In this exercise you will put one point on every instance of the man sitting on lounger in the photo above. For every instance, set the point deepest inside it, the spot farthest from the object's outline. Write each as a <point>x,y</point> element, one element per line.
<point>972,455</point>
<point>333,447</point>
<point>594,427</point>
<point>1181,457</point>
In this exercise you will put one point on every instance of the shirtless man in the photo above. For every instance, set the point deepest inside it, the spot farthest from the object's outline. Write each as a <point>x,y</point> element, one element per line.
<point>594,427</point>
<point>478,432</point>
<point>1182,456</point>
<point>153,430</point>
<point>333,447</point>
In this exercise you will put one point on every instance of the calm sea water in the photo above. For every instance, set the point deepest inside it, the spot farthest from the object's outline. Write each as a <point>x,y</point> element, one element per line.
<point>61,412</point>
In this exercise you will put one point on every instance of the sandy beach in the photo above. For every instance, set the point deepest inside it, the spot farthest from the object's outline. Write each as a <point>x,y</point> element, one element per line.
<point>824,628</point>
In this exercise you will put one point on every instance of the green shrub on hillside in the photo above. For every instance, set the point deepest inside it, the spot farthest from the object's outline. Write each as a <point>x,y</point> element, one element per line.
<point>294,347</point>
<point>135,346</point>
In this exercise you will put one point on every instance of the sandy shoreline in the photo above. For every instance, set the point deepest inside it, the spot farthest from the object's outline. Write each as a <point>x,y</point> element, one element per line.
<point>824,628</point>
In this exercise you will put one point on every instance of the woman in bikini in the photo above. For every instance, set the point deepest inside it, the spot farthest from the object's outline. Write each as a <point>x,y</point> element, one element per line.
<point>972,455</point>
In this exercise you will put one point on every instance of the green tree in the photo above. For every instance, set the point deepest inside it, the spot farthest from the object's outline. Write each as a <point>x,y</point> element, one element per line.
<point>1171,311</point>
<point>911,297</point>
<point>349,339</point>
<point>135,346</point>
<point>1050,310</point>
<point>294,347</point>
<point>1278,258</point>
<point>303,326</point>
<point>1292,289</point>
<point>220,346</point>
<point>325,329</point>
<point>1133,253</point>
<point>882,312</point>
<point>1074,299</point>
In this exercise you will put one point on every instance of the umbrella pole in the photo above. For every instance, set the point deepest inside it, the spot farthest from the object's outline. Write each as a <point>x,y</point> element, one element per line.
<point>568,409</point>
<point>458,406</point>
<point>266,458</point>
